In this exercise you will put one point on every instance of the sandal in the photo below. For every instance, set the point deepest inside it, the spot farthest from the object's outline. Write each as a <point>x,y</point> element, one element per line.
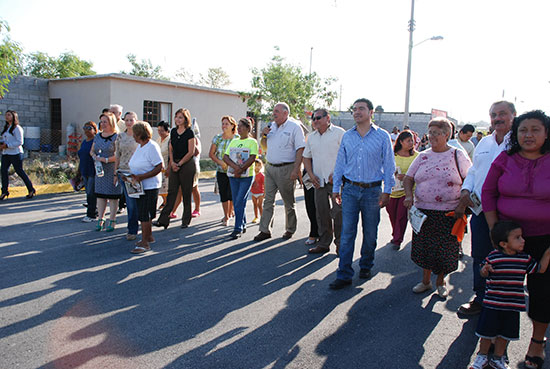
<point>535,362</point>
<point>110,226</point>
<point>100,224</point>
<point>140,250</point>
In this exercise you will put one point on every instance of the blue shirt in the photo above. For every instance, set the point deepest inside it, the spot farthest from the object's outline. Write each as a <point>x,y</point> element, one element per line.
<point>365,159</point>
<point>87,168</point>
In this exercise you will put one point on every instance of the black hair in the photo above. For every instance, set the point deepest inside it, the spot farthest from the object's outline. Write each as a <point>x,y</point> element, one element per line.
<point>468,128</point>
<point>164,125</point>
<point>247,122</point>
<point>14,121</point>
<point>402,136</point>
<point>366,101</point>
<point>513,145</point>
<point>501,230</point>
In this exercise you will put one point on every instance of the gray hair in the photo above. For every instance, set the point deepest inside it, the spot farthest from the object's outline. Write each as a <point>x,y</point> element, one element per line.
<point>285,106</point>
<point>117,107</point>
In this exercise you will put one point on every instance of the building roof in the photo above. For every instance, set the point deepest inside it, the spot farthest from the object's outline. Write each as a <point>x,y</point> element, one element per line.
<point>129,77</point>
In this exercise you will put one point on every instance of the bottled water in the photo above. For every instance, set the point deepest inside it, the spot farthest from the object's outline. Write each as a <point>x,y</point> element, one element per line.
<point>99,166</point>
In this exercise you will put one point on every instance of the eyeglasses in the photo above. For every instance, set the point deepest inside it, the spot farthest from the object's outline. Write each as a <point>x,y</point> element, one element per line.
<point>318,117</point>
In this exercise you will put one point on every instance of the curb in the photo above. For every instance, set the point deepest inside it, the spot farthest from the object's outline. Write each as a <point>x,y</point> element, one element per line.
<point>41,189</point>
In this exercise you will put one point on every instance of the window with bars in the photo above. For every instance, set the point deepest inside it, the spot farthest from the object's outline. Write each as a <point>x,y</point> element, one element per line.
<point>156,111</point>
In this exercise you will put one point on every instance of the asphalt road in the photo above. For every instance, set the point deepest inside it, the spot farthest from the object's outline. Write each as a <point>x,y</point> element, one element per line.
<point>71,297</point>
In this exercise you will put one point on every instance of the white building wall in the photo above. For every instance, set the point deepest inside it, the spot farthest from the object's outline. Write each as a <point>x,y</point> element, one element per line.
<point>82,99</point>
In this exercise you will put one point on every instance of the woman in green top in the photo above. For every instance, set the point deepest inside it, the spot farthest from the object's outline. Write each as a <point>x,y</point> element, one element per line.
<point>219,145</point>
<point>240,156</point>
<point>404,156</point>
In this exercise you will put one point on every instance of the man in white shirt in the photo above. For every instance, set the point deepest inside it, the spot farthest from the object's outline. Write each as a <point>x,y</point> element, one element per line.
<point>117,109</point>
<point>502,114</point>
<point>319,158</point>
<point>464,136</point>
<point>283,139</point>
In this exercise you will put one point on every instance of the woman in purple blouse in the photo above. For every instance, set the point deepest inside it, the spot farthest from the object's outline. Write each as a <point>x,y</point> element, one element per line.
<point>518,188</point>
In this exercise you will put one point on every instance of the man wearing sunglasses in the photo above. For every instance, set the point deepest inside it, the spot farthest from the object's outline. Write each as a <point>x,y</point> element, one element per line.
<point>319,159</point>
<point>283,139</point>
<point>365,160</point>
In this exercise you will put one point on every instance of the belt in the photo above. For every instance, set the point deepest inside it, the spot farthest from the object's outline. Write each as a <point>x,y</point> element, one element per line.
<point>279,165</point>
<point>362,184</point>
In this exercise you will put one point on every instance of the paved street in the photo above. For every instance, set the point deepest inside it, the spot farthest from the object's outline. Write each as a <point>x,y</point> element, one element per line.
<point>71,297</point>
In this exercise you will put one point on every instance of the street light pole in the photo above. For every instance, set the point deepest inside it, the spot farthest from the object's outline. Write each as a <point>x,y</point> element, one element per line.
<point>408,88</point>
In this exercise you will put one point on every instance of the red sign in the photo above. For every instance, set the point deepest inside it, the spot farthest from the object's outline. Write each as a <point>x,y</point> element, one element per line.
<point>439,113</point>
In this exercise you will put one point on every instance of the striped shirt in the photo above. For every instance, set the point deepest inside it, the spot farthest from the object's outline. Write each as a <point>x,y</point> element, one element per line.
<point>365,159</point>
<point>504,286</point>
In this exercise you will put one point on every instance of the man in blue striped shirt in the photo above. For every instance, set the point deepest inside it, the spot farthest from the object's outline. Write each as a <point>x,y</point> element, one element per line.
<point>365,160</point>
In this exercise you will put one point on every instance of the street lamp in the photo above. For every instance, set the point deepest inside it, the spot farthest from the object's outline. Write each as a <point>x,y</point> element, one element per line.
<point>411,45</point>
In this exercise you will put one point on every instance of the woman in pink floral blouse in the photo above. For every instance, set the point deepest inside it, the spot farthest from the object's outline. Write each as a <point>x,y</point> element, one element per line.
<point>438,174</point>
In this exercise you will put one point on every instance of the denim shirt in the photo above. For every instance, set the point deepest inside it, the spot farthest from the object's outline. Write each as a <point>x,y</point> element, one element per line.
<point>365,159</point>
<point>14,141</point>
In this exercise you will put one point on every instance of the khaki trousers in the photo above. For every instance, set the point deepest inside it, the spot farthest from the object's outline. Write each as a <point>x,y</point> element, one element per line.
<point>278,179</point>
<point>329,218</point>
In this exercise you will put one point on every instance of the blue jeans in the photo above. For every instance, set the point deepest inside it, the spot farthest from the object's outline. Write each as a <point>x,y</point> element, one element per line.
<point>91,199</point>
<point>357,200</point>
<point>17,162</point>
<point>481,247</point>
<point>131,208</point>
<point>240,188</point>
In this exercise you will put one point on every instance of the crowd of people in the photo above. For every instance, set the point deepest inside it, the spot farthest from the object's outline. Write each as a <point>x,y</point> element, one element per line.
<point>497,183</point>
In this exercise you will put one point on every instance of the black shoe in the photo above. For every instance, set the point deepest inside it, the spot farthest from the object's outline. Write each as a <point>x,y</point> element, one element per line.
<point>157,224</point>
<point>471,308</point>
<point>235,235</point>
<point>262,236</point>
<point>4,195</point>
<point>183,226</point>
<point>365,274</point>
<point>287,235</point>
<point>338,284</point>
<point>31,194</point>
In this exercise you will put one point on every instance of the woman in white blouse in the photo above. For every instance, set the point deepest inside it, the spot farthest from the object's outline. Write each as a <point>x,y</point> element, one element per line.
<point>12,154</point>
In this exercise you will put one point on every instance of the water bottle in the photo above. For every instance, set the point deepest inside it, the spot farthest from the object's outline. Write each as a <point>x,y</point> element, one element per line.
<point>98,165</point>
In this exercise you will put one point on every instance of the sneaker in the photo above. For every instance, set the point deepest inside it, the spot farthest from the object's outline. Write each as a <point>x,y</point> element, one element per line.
<point>471,308</point>
<point>131,237</point>
<point>442,291</point>
<point>480,362</point>
<point>499,363</point>
<point>173,216</point>
<point>256,220</point>
<point>195,214</point>
<point>87,219</point>
<point>421,287</point>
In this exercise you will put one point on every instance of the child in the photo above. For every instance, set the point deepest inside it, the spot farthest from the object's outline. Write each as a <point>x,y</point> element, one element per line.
<point>258,191</point>
<point>505,270</point>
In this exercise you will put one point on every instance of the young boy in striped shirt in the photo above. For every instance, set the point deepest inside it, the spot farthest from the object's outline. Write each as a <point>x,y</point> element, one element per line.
<point>505,269</point>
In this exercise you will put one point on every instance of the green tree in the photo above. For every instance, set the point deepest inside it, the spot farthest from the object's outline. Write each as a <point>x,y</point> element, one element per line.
<point>283,82</point>
<point>10,58</point>
<point>144,68</point>
<point>67,64</point>
<point>184,76</point>
<point>215,78</point>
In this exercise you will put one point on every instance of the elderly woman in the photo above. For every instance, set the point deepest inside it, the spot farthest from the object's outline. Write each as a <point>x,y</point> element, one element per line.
<point>87,170</point>
<point>240,156</point>
<point>125,145</point>
<point>12,154</point>
<point>220,142</point>
<point>163,130</point>
<point>106,190</point>
<point>182,169</point>
<point>146,166</point>
<point>517,188</point>
<point>438,174</point>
